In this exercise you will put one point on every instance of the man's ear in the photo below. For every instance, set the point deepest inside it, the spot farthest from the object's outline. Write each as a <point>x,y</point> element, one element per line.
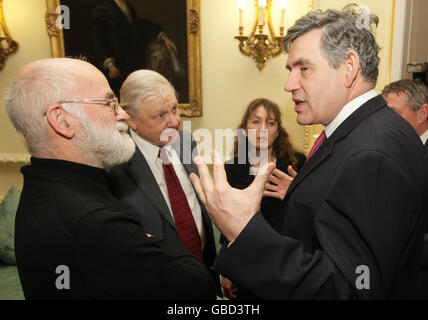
<point>352,67</point>
<point>423,113</point>
<point>59,121</point>
<point>132,124</point>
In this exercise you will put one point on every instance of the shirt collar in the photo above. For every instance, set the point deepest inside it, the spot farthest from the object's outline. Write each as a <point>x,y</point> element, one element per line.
<point>149,150</point>
<point>424,137</point>
<point>348,109</point>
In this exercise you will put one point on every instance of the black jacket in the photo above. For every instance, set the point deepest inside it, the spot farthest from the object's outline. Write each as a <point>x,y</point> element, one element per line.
<point>67,217</point>
<point>135,186</point>
<point>356,208</point>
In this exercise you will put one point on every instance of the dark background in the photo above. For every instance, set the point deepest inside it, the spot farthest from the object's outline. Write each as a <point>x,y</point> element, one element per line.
<point>171,14</point>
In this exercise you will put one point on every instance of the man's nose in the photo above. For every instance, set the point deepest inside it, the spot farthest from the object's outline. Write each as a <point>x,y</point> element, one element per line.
<point>121,114</point>
<point>292,83</point>
<point>173,120</point>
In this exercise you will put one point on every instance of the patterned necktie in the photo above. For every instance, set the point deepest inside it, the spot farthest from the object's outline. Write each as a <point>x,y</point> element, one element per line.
<point>320,140</point>
<point>184,221</point>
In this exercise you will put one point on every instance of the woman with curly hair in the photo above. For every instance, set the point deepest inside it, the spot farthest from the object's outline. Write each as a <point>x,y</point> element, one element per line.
<point>262,137</point>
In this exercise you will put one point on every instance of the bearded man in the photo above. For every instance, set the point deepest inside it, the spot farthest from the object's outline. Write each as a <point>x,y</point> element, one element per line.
<point>73,239</point>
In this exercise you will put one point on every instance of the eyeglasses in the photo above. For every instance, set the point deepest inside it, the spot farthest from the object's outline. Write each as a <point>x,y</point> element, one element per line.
<point>112,103</point>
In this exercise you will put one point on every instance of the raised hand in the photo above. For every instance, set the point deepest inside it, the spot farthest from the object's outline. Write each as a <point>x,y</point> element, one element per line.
<point>278,183</point>
<point>230,209</point>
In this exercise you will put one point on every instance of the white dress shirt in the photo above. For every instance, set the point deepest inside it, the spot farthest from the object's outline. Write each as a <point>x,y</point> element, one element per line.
<point>424,137</point>
<point>150,153</point>
<point>348,109</point>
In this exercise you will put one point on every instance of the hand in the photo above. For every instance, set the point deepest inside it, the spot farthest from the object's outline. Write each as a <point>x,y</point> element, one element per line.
<point>278,183</point>
<point>230,209</point>
<point>229,288</point>
<point>170,44</point>
<point>113,72</point>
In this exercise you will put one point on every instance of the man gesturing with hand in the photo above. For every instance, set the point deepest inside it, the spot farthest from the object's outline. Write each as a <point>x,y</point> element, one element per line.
<point>351,222</point>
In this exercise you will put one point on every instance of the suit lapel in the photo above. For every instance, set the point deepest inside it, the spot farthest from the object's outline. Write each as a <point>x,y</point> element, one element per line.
<point>140,172</point>
<point>370,107</point>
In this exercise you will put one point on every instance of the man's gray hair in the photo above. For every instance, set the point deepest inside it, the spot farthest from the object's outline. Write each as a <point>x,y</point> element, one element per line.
<point>141,85</point>
<point>341,31</point>
<point>30,96</point>
<point>415,90</point>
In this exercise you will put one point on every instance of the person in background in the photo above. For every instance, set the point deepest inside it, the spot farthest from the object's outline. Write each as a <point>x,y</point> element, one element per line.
<point>263,117</point>
<point>154,184</point>
<point>73,239</point>
<point>409,98</point>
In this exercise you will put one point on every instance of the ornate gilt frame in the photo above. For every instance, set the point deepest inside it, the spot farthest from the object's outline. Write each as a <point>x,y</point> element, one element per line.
<point>192,108</point>
<point>7,44</point>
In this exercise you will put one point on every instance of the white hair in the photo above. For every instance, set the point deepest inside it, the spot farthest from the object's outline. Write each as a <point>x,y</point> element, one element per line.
<point>30,96</point>
<point>141,85</point>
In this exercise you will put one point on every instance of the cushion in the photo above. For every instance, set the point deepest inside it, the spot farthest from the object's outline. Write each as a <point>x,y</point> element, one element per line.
<point>7,225</point>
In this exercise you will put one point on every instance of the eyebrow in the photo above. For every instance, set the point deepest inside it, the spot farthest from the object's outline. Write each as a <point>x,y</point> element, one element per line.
<point>109,95</point>
<point>300,62</point>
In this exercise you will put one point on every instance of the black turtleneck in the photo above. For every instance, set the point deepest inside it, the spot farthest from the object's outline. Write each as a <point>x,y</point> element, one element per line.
<point>67,216</point>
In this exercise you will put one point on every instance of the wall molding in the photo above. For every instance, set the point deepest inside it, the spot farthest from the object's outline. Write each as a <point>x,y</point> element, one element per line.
<point>14,159</point>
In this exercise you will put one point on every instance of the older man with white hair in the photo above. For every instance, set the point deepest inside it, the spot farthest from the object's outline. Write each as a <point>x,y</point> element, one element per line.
<point>154,184</point>
<point>73,238</point>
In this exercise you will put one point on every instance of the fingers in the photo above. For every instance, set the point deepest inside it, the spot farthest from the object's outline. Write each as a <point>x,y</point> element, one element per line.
<point>274,179</point>
<point>220,178</point>
<point>291,172</point>
<point>229,288</point>
<point>271,187</point>
<point>259,182</point>
<point>204,176</point>
<point>272,194</point>
<point>198,187</point>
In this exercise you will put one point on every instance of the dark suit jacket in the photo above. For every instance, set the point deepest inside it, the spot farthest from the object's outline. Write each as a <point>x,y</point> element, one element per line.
<point>136,188</point>
<point>424,275</point>
<point>359,202</point>
<point>68,217</point>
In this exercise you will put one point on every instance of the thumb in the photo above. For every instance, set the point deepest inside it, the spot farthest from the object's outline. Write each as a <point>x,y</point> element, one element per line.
<point>291,172</point>
<point>262,177</point>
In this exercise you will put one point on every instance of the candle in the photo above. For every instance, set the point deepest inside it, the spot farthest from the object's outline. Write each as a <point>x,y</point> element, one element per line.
<point>241,7</point>
<point>282,6</point>
<point>262,5</point>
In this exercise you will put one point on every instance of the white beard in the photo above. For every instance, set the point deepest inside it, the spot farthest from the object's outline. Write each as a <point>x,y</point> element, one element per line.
<point>105,147</point>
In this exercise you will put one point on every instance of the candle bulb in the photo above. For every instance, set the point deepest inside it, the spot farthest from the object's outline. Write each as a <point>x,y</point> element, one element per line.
<point>241,7</point>
<point>262,5</point>
<point>261,17</point>
<point>281,20</point>
<point>282,7</point>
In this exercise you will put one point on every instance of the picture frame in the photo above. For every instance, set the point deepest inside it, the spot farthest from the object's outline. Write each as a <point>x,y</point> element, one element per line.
<point>192,107</point>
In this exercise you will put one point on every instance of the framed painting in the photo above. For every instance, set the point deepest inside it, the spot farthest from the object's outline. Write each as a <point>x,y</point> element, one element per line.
<point>125,36</point>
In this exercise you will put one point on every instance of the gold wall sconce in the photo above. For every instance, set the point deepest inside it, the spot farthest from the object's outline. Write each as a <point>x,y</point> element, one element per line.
<point>7,44</point>
<point>258,45</point>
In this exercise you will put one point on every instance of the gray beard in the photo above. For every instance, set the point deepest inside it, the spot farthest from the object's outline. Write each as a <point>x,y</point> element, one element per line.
<point>105,147</point>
